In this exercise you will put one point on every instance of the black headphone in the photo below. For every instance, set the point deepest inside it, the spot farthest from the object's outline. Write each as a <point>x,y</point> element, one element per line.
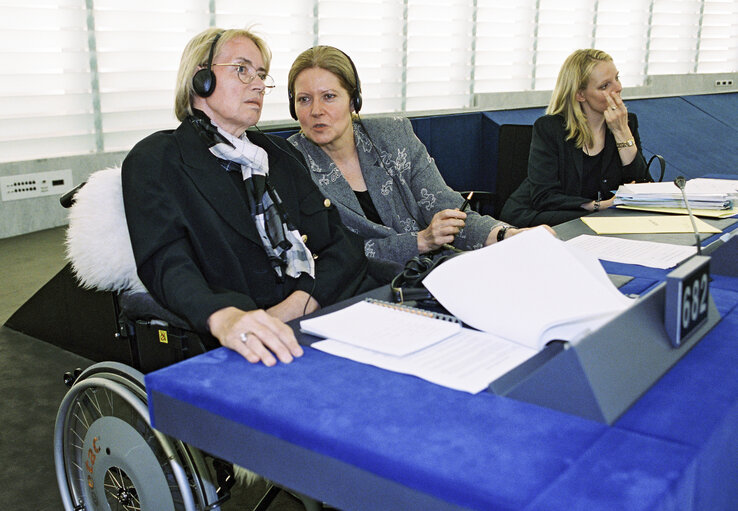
<point>204,80</point>
<point>408,284</point>
<point>356,100</point>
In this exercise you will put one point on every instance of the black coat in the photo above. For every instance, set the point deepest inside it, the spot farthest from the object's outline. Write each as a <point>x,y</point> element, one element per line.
<point>552,191</point>
<point>196,246</point>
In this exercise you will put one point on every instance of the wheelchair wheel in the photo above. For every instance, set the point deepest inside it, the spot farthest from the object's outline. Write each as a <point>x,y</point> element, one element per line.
<point>108,457</point>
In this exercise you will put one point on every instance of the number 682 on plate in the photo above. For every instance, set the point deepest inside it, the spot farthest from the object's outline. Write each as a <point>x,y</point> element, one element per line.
<point>687,297</point>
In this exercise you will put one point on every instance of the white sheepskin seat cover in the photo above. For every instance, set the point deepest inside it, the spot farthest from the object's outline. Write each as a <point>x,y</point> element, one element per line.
<point>98,244</point>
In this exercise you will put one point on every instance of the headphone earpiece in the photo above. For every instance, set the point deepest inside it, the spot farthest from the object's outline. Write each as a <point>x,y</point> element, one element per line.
<point>203,82</point>
<point>355,100</point>
<point>291,97</point>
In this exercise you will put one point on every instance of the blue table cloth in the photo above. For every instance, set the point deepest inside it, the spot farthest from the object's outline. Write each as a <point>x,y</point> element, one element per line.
<point>359,437</point>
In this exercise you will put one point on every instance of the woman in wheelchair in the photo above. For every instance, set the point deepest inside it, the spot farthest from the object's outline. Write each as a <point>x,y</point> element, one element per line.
<point>228,230</point>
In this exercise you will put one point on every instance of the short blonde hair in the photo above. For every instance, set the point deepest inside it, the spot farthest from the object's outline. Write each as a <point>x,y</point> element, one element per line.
<point>328,58</point>
<point>574,77</point>
<point>195,56</point>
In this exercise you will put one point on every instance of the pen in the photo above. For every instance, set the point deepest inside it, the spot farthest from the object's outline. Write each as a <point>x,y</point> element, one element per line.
<point>466,201</point>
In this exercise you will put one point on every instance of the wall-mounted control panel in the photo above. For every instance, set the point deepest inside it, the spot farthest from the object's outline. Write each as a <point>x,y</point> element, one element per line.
<point>27,186</point>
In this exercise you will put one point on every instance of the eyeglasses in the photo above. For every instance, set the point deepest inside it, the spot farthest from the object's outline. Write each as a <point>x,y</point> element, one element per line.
<point>247,74</point>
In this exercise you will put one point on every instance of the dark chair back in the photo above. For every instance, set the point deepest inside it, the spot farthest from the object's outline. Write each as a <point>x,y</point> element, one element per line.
<point>512,161</point>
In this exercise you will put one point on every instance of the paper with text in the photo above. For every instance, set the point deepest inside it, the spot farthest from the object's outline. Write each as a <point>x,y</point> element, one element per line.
<point>644,253</point>
<point>522,287</point>
<point>382,329</point>
<point>467,361</point>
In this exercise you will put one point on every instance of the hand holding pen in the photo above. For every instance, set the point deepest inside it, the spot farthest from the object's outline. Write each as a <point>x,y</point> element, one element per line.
<point>465,204</point>
<point>443,228</point>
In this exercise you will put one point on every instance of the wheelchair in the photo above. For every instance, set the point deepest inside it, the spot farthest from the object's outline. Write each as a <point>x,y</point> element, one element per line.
<point>107,455</point>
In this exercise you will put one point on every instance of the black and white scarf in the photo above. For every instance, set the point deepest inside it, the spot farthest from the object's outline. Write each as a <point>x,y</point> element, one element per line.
<point>287,253</point>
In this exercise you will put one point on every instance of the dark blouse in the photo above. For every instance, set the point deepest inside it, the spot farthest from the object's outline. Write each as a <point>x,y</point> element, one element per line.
<point>592,176</point>
<point>367,206</point>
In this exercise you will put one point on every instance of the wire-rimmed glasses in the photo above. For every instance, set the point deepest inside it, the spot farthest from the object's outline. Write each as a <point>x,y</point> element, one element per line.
<point>247,74</point>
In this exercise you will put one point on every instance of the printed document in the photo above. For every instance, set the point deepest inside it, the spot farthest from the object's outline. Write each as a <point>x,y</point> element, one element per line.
<point>530,289</point>
<point>644,253</point>
<point>467,361</point>
<point>518,295</point>
<point>388,330</point>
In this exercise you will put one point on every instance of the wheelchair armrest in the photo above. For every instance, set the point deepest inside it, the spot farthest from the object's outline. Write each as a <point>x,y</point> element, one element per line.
<point>135,305</point>
<point>67,199</point>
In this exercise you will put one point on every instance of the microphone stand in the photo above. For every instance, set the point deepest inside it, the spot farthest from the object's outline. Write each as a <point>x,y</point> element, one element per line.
<point>681,183</point>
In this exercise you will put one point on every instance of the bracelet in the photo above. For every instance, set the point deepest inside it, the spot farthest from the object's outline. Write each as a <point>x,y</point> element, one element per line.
<point>596,206</point>
<point>628,143</point>
<point>501,233</point>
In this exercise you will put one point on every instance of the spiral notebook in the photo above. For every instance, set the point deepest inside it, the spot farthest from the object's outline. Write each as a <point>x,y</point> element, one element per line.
<point>383,327</point>
<point>413,341</point>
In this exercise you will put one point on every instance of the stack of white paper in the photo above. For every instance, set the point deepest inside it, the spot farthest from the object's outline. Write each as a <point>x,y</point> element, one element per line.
<point>701,194</point>
<point>520,294</point>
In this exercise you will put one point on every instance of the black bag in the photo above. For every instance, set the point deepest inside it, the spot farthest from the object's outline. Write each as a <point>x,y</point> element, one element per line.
<point>408,284</point>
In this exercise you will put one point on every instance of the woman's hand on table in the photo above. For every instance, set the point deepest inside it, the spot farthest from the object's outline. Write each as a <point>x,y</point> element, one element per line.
<point>256,335</point>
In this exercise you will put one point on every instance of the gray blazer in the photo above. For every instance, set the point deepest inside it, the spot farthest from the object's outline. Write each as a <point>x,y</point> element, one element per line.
<point>405,186</point>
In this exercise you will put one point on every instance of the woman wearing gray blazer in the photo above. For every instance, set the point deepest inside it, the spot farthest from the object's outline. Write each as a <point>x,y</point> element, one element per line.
<point>379,175</point>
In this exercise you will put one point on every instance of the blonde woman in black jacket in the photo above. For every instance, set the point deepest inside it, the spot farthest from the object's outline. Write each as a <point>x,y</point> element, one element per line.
<point>585,146</point>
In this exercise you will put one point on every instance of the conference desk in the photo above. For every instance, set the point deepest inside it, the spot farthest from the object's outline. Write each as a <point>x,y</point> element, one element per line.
<point>358,437</point>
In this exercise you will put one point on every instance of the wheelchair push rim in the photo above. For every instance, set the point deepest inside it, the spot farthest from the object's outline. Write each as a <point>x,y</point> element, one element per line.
<point>107,455</point>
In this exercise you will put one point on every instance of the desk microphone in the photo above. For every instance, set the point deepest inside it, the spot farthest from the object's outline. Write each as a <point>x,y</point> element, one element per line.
<point>681,183</point>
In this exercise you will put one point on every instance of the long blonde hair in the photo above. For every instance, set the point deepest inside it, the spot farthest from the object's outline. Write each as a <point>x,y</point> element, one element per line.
<point>573,78</point>
<point>195,56</point>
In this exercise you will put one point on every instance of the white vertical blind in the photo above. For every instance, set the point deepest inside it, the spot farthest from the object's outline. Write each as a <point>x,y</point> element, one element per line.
<point>674,30</point>
<point>719,37</point>
<point>562,28</point>
<point>139,44</point>
<point>622,31</point>
<point>439,41</point>
<point>504,49</point>
<point>45,99</point>
<point>89,75</point>
<point>288,30</point>
<point>371,33</point>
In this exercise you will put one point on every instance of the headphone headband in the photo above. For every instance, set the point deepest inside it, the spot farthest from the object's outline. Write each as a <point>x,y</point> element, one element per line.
<point>204,80</point>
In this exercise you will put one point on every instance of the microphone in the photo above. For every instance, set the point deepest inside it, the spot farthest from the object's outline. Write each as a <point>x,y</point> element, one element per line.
<point>681,183</point>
